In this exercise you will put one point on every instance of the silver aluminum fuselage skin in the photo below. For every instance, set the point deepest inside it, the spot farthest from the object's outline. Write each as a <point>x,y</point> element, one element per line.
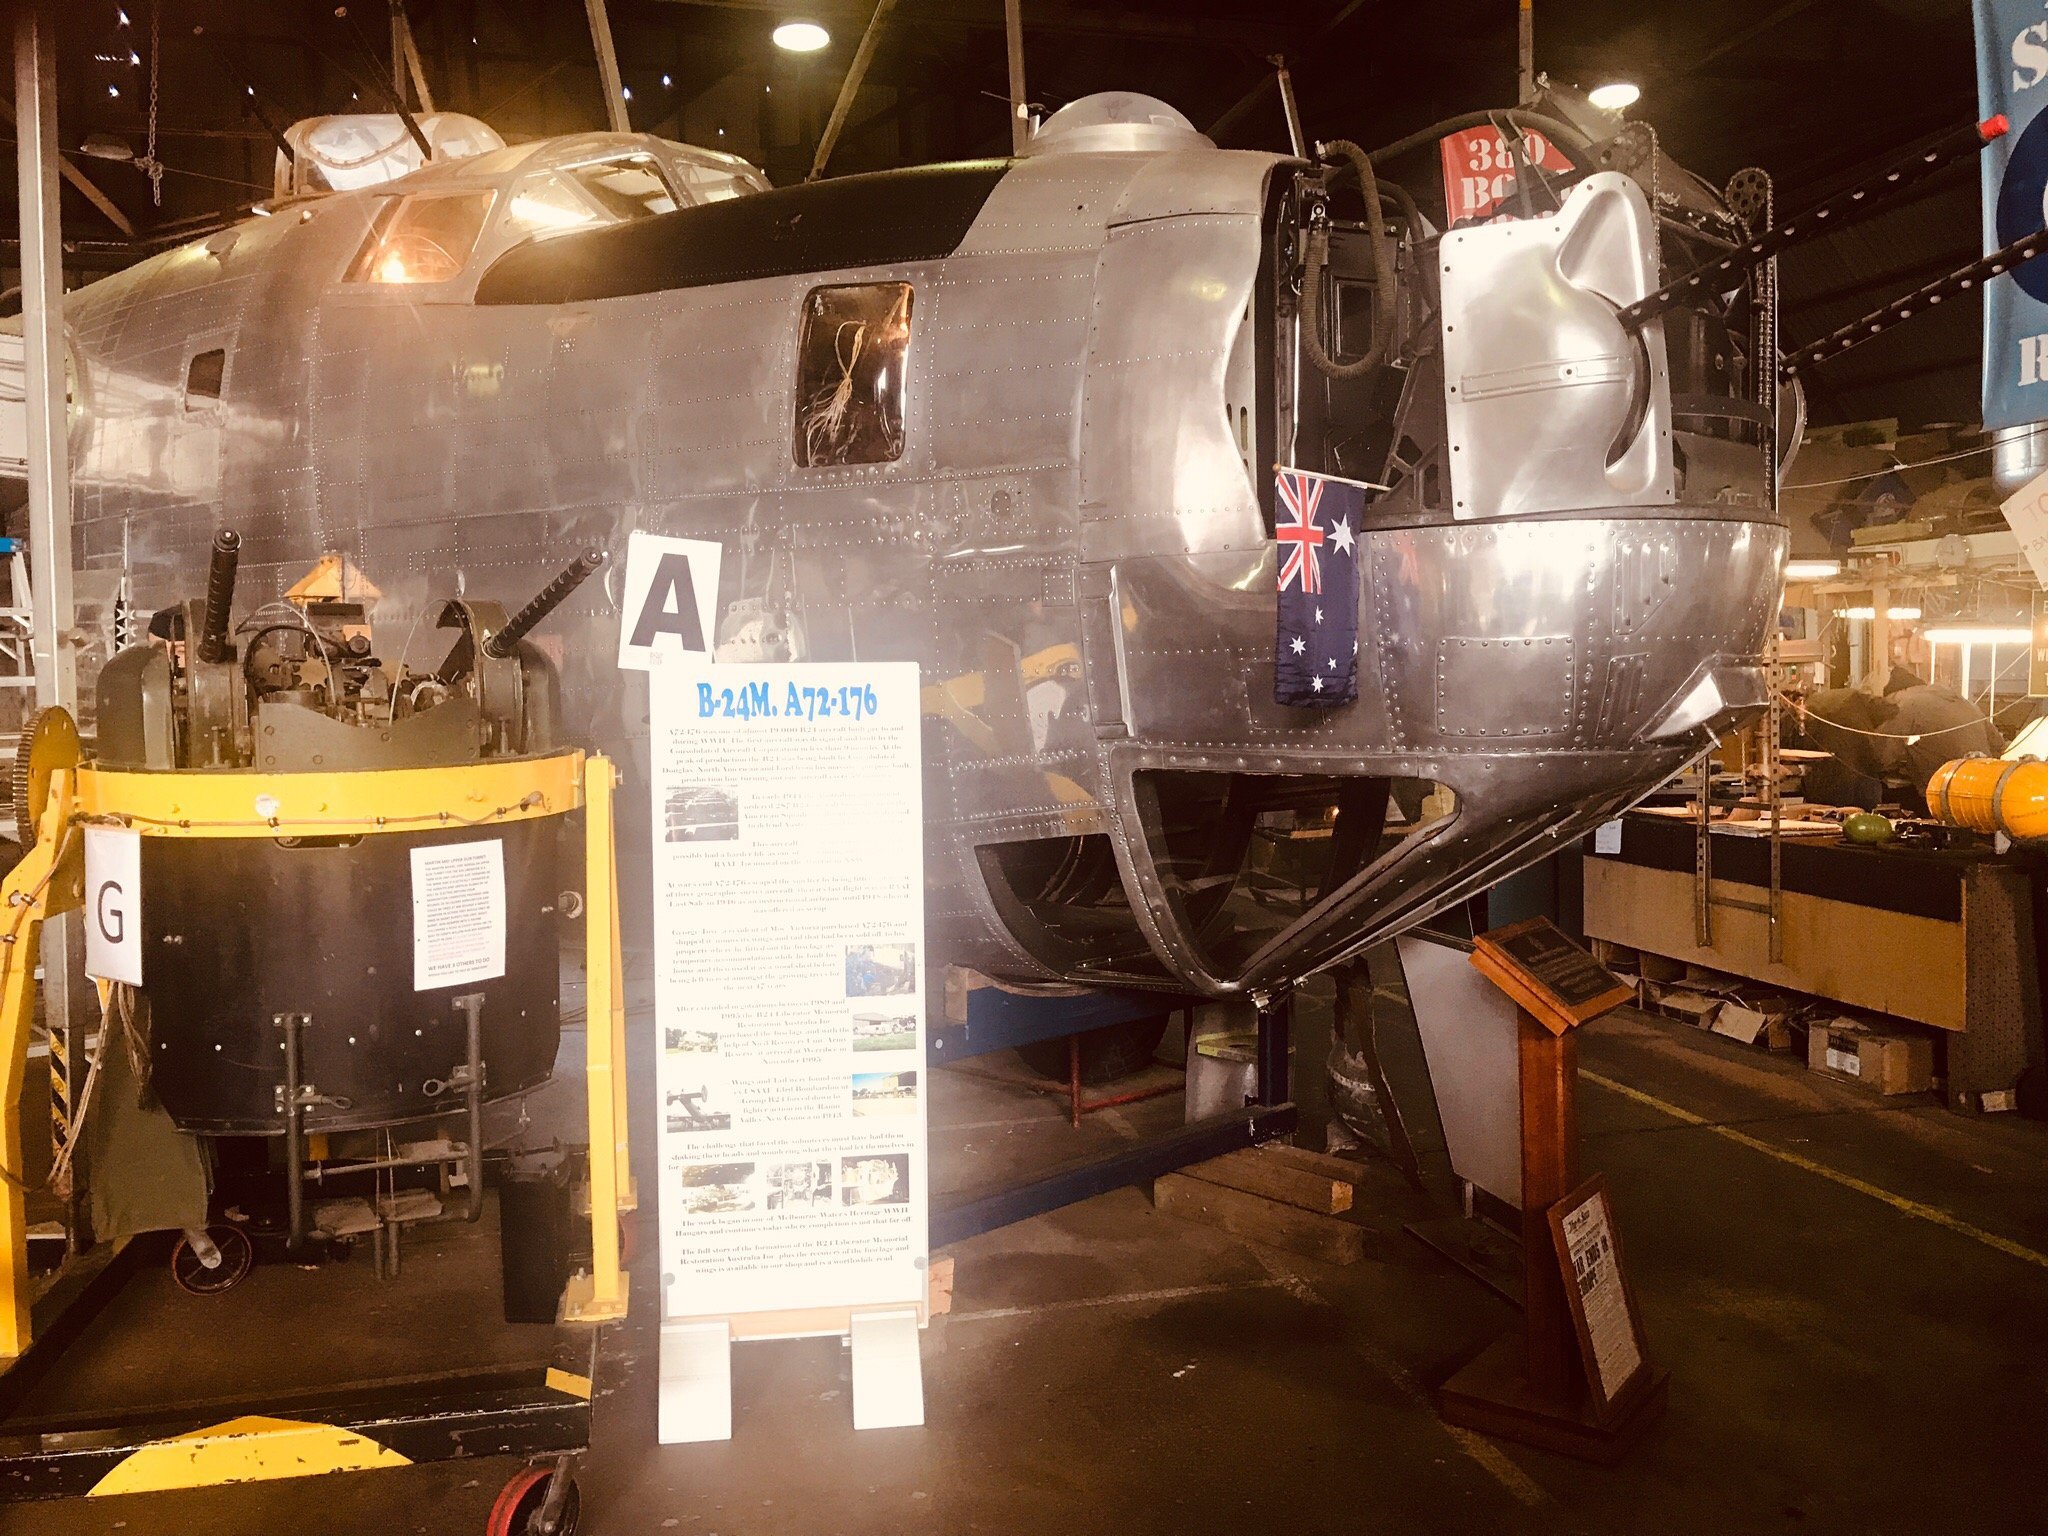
<point>1072,546</point>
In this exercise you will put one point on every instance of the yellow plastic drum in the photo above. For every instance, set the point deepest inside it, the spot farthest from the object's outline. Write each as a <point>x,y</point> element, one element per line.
<point>1991,794</point>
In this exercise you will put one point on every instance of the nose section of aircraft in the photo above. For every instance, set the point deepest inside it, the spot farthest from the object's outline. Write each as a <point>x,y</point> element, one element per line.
<point>1599,634</point>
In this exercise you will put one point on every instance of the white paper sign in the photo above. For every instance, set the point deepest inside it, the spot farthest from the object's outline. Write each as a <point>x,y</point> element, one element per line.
<point>789,918</point>
<point>1607,838</point>
<point>2026,511</point>
<point>670,595</point>
<point>1597,1272</point>
<point>458,914</point>
<point>113,904</point>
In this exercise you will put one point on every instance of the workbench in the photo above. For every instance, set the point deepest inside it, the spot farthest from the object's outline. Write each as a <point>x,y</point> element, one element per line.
<point>1942,937</point>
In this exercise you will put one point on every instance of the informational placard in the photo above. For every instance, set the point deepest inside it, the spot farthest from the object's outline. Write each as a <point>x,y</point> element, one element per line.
<point>1597,1290</point>
<point>789,925</point>
<point>1479,172</point>
<point>2026,513</point>
<point>113,904</point>
<point>458,913</point>
<point>667,598</point>
<point>2037,652</point>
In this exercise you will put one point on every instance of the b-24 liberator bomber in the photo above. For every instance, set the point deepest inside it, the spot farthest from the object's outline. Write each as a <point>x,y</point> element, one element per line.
<point>1019,421</point>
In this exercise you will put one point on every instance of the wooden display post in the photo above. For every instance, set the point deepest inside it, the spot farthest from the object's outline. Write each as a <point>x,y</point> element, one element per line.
<point>1578,1379</point>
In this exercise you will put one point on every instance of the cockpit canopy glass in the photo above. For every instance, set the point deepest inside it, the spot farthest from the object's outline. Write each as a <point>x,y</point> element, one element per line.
<point>429,236</point>
<point>581,196</point>
<point>422,239</point>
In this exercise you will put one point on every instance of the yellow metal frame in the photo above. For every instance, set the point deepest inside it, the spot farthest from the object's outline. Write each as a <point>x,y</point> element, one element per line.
<point>232,803</point>
<point>238,804</point>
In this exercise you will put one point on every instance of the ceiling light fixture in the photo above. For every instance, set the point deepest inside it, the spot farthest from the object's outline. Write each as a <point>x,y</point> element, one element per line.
<point>801,37</point>
<point>1812,570</point>
<point>1615,95</point>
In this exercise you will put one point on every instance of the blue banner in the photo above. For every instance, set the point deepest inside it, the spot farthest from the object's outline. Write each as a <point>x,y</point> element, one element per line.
<point>2012,78</point>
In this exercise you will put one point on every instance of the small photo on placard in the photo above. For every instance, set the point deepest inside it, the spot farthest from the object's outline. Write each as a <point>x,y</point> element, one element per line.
<point>690,1042</point>
<point>884,1093</point>
<point>700,814</point>
<point>803,1186</point>
<point>881,970</point>
<point>884,1029</point>
<point>701,1108</point>
<point>875,1179</point>
<point>718,1189</point>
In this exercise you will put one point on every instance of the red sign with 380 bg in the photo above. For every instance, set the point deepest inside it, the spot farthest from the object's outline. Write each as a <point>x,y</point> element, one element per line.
<point>1479,173</point>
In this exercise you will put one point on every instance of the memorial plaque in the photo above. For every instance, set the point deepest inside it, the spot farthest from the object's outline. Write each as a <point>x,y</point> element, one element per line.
<point>1547,974</point>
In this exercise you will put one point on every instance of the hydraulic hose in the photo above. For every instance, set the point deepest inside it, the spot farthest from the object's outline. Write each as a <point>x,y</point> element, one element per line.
<point>1318,256</point>
<point>1558,131</point>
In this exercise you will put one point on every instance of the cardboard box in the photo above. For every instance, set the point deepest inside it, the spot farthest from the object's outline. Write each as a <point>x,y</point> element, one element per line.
<point>1660,967</point>
<point>1888,1060</point>
<point>1742,1023</point>
<point>1622,959</point>
<point>1694,1008</point>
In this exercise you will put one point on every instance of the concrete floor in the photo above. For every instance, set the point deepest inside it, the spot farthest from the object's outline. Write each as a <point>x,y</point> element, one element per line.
<point>1851,1296</point>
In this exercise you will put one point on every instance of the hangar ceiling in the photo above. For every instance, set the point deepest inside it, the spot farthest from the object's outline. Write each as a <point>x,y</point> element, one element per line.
<point>1808,89</point>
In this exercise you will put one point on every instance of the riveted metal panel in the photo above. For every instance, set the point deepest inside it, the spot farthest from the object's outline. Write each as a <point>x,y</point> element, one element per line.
<point>1506,689</point>
<point>1552,406</point>
<point>1196,181</point>
<point>1160,470</point>
<point>1051,203</point>
<point>1002,370</point>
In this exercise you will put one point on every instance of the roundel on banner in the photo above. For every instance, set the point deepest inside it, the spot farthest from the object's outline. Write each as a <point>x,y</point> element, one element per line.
<point>2023,203</point>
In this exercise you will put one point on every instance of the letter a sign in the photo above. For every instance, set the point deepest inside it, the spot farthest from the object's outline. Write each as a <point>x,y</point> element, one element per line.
<point>113,904</point>
<point>671,598</point>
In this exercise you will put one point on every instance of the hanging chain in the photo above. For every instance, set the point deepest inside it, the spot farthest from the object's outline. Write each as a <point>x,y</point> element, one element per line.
<point>150,163</point>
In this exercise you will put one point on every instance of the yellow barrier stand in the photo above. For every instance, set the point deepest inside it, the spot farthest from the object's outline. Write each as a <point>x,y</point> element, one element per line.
<point>252,805</point>
<point>600,1296</point>
<point>35,889</point>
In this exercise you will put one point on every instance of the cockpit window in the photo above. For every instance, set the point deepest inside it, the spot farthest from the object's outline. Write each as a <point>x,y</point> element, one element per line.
<point>625,189</point>
<point>423,239</point>
<point>584,196</point>
<point>712,184</point>
<point>850,363</point>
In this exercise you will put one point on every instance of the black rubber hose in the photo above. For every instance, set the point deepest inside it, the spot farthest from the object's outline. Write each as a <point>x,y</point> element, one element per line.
<point>1318,257</point>
<point>220,595</point>
<point>545,602</point>
<point>1560,133</point>
<point>1411,214</point>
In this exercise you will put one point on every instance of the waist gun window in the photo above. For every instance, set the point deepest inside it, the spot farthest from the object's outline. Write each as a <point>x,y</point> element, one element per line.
<point>850,374</point>
<point>421,239</point>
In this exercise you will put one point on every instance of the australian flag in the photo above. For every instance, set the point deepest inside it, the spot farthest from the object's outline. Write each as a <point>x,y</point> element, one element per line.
<point>1315,660</point>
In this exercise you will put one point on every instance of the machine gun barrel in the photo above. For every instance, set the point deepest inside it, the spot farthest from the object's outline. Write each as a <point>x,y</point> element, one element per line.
<point>1837,210</point>
<point>220,595</point>
<point>1878,321</point>
<point>545,602</point>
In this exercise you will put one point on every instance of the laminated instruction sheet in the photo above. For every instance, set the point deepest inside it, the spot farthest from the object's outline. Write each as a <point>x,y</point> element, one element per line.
<point>789,927</point>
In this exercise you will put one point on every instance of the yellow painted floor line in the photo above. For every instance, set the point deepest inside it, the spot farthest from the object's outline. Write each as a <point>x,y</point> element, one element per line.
<point>1928,1213</point>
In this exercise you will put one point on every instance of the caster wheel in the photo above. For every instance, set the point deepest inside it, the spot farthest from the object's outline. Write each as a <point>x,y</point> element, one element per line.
<point>237,1258</point>
<point>517,1512</point>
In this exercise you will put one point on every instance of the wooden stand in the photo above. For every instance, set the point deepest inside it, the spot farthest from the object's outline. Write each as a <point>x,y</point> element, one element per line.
<point>1533,1387</point>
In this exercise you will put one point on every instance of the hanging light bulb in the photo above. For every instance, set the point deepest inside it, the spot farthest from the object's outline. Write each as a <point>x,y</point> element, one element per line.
<point>801,37</point>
